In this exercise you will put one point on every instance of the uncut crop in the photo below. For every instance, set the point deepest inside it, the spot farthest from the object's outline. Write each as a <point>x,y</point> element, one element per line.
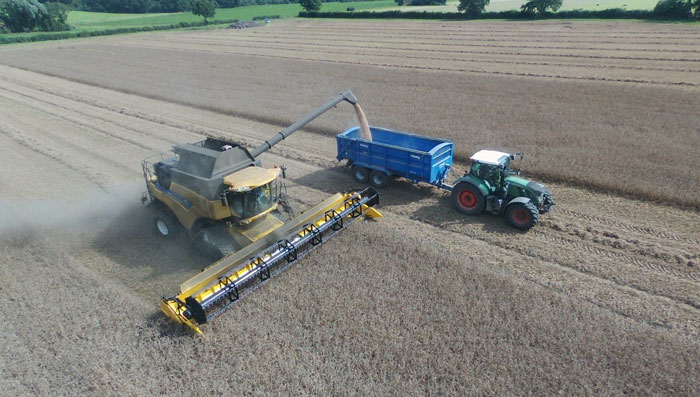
<point>618,115</point>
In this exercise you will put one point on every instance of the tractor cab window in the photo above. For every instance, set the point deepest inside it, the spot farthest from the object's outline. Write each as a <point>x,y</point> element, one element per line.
<point>253,202</point>
<point>492,174</point>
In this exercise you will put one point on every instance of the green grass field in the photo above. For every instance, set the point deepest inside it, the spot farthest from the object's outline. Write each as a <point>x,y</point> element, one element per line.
<point>95,21</point>
<point>99,21</point>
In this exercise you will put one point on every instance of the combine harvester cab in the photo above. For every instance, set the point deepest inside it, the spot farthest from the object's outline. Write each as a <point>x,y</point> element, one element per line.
<point>218,191</point>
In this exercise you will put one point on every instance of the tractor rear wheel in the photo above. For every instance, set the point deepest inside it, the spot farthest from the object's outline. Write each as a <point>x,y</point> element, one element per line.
<point>468,199</point>
<point>361,174</point>
<point>522,216</point>
<point>378,179</point>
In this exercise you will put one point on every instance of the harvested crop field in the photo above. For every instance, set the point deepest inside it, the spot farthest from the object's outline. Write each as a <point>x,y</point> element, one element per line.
<point>601,297</point>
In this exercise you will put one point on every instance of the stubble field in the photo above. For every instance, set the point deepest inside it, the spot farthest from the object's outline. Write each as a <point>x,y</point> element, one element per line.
<point>601,297</point>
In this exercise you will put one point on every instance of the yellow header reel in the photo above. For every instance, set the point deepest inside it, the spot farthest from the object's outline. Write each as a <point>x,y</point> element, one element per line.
<point>209,293</point>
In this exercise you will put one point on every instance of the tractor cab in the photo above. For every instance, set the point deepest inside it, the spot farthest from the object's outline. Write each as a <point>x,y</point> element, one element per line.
<point>492,167</point>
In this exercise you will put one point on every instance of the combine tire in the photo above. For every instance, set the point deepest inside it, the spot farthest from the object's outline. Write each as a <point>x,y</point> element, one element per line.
<point>213,242</point>
<point>378,179</point>
<point>361,174</point>
<point>206,248</point>
<point>468,199</point>
<point>165,224</point>
<point>522,216</point>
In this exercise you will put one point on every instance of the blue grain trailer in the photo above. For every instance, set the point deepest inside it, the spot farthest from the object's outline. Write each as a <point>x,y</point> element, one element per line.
<point>393,153</point>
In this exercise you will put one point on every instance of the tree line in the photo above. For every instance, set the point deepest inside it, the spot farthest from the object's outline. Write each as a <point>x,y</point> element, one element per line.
<point>679,9</point>
<point>29,15</point>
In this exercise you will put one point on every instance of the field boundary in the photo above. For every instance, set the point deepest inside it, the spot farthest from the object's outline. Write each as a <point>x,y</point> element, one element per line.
<point>613,13</point>
<point>108,32</point>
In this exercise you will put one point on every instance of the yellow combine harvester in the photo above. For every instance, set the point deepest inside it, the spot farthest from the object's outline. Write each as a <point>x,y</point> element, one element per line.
<point>229,205</point>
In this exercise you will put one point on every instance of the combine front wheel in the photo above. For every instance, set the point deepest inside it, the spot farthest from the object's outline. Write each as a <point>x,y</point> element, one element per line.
<point>522,216</point>
<point>468,199</point>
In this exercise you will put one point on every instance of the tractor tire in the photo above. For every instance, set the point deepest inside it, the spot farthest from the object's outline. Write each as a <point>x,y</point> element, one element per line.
<point>468,199</point>
<point>379,179</point>
<point>522,216</point>
<point>165,224</point>
<point>361,174</point>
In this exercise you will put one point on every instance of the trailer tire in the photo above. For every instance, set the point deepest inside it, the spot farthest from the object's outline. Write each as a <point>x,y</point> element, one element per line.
<point>378,179</point>
<point>467,199</point>
<point>361,174</point>
<point>522,216</point>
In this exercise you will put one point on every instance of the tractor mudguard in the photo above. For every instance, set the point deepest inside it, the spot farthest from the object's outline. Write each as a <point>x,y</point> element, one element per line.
<point>478,183</point>
<point>523,200</point>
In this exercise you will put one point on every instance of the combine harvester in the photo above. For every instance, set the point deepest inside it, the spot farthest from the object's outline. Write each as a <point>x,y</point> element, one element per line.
<point>218,191</point>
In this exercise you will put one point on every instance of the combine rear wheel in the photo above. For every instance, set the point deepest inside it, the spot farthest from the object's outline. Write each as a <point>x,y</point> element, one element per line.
<point>522,216</point>
<point>165,224</point>
<point>468,199</point>
<point>361,174</point>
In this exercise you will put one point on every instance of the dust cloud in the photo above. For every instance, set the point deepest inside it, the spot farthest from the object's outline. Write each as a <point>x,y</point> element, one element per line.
<point>92,210</point>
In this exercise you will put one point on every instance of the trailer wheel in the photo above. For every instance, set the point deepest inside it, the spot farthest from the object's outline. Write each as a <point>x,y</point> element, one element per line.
<point>467,199</point>
<point>378,179</point>
<point>164,224</point>
<point>361,174</point>
<point>522,216</point>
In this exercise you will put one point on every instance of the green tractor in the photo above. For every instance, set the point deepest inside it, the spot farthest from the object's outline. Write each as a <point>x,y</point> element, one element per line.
<point>491,185</point>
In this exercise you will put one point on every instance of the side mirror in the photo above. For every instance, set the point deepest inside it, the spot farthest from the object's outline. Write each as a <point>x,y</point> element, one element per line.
<point>284,171</point>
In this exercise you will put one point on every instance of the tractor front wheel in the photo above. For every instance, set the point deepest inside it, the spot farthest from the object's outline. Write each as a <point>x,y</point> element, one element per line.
<point>522,216</point>
<point>468,199</point>
<point>361,174</point>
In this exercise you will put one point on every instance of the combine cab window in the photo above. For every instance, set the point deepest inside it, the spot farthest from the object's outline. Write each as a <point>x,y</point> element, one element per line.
<point>253,202</point>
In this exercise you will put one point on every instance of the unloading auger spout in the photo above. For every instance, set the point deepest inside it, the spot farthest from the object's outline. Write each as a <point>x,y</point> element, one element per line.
<point>346,95</point>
